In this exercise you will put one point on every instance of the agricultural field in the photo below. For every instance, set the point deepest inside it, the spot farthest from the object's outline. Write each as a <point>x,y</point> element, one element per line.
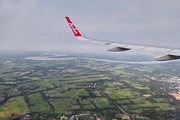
<point>15,105</point>
<point>52,88</point>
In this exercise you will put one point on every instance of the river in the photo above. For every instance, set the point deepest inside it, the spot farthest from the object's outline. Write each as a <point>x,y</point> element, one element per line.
<point>96,59</point>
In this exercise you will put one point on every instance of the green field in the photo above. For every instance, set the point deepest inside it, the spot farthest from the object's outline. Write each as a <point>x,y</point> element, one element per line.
<point>37,103</point>
<point>15,105</point>
<point>76,86</point>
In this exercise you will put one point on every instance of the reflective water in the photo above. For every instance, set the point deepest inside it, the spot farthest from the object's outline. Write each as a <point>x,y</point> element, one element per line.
<point>85,58</point>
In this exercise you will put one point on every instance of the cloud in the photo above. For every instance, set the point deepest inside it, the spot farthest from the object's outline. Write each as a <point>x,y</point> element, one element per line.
<point>41,25</point>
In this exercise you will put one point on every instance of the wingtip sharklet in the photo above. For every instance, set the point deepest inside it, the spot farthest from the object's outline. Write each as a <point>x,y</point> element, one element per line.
<point>76,32</point>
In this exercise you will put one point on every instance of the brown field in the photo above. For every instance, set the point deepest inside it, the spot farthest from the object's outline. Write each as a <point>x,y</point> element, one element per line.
<point>177,96</point>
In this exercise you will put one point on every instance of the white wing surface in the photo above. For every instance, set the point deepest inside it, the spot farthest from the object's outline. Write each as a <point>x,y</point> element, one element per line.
<point>168,54</point>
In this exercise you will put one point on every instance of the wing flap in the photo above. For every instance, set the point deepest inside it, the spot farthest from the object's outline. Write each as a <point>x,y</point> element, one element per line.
<point>156,50</point>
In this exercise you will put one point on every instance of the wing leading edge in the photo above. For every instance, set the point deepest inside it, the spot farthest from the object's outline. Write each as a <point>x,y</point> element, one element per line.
<point>168,54</point>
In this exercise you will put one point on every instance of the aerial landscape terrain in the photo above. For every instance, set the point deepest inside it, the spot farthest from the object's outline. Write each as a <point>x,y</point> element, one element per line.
<point>89,60</point>
<point>86,86</point>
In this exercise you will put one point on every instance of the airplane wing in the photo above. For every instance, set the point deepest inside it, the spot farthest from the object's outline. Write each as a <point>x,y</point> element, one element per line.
<point>168,54</point>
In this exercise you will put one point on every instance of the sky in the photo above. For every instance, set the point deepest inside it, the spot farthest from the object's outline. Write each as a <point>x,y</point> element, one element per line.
<point>40,24</point>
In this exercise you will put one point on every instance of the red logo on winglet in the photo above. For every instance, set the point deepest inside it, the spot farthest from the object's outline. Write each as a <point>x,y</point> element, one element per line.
<point>73,27</point>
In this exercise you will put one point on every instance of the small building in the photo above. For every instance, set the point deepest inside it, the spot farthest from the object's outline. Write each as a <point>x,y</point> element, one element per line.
<point>63,118</point>
<point>125,117</point>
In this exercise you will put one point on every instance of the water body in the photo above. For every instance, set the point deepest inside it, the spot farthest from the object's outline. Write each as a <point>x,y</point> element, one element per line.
<point>128,62</point>
<point>49,58</point>
<point>96,59</point>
